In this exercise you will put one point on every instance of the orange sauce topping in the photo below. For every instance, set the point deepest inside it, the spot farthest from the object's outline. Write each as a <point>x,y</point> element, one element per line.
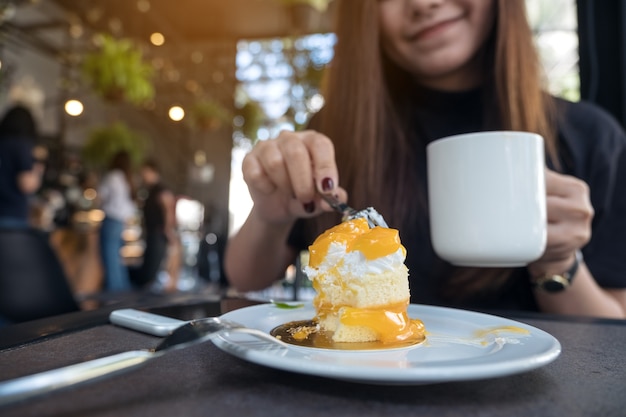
<point>357,236</point>
<point>391,324</point>
<point>317,338</point>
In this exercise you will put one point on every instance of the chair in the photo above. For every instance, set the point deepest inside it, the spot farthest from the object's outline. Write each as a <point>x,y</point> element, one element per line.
<point>33,284</point>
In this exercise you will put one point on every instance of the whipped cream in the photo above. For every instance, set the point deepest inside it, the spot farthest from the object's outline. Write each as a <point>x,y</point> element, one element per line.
<point>354,263</point>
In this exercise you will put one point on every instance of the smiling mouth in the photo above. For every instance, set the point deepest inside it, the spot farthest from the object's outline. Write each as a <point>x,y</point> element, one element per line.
<point>431,30</point>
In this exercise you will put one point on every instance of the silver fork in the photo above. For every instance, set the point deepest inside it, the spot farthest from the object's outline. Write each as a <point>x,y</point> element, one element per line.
<point>373,217</point>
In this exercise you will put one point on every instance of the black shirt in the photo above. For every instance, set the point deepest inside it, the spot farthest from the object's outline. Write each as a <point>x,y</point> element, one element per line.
<point>15,158</point>
<point>592,147</point>
<point>153,211</point>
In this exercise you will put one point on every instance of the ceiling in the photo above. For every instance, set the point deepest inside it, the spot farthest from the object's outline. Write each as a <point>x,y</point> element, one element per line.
<point>200,35</point>
<point>178,20</point>
<point>186,20</point>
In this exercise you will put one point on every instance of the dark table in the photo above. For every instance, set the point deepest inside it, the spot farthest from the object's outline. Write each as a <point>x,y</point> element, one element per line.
<point>588,379</point>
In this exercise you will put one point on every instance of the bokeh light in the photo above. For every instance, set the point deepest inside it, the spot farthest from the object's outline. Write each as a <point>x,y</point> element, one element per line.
<point>176,113</point>
<point>74,107</point>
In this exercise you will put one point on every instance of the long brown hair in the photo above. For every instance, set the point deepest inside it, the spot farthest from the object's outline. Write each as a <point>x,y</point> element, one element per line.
<point>375,156</point>
<point>122,161</point>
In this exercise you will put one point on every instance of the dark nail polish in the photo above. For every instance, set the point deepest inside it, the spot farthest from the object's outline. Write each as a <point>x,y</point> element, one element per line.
<point>309,207</point>
<point>327,184</point>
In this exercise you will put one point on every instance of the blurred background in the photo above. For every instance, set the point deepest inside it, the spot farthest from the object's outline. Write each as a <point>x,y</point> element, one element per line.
<point>194,84</point>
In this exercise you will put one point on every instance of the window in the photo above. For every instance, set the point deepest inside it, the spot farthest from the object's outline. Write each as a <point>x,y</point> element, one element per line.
<point>555,26</point>
<point>279,84</point>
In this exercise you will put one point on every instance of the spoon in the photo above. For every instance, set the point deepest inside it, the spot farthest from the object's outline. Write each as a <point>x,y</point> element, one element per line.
<point>192,333</point>
<point>370,214</point>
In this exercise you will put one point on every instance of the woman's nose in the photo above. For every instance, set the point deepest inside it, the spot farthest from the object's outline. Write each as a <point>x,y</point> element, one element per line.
<point>422,7</point>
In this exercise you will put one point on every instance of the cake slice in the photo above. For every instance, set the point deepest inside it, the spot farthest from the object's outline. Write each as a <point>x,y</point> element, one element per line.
<point>362,284</point>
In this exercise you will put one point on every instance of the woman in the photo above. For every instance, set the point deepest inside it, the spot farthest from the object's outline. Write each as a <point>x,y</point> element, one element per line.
<point>20,173</point>
<point>405,73</point>
<point>115,193</point>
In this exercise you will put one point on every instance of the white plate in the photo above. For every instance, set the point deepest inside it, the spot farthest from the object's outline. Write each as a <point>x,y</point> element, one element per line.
<point>460,345</point>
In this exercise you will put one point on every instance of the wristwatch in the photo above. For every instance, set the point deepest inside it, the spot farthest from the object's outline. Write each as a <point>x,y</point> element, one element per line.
<point>559,282</point>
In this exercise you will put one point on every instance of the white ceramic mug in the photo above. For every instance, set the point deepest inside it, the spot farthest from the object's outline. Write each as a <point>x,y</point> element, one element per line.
<point>487,198</point>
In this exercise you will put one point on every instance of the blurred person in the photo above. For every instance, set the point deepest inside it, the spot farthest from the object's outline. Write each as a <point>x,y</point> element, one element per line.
<point>20,172</point>
<point>33,284</point>
<point>116,197</point>
<point>159,225</point>
<point>406,73</point>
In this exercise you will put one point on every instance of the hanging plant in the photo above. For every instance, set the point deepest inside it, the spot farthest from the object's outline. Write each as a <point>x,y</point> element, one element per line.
<point>117,71</point>
<point>105,141</point>
<point>209,114</point>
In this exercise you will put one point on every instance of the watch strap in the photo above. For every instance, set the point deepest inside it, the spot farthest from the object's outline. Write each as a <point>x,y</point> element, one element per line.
<point>559,282</point>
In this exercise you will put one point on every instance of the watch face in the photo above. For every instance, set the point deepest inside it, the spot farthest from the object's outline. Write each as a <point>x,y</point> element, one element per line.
<point>553,285</point>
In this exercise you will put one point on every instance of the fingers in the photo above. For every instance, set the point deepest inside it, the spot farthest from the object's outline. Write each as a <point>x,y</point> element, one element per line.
<point>292,168</point>
<point>563,239</point>
<point>567,198</point>
<point>255,176</point>
<point>339,193</point>
<point>565,185</point>
<point>274,165</point>
<point>299,163</point>
<point>322,154</point>
<point>570,214</point>
<point>576,208</point>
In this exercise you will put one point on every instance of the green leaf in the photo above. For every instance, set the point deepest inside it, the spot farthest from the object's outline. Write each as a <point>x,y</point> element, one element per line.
<point>117,70</point>
<point>287,306</point>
